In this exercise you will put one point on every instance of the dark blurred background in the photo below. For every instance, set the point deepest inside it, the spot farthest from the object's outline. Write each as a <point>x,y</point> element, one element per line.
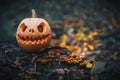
<point>13,11</point>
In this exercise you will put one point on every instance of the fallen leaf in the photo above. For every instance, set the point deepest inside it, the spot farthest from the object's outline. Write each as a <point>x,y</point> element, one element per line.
<point>98,67</point>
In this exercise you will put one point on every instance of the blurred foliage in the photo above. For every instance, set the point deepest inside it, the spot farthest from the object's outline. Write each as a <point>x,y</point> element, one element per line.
<point>98,68</point>
<point>85,42</point>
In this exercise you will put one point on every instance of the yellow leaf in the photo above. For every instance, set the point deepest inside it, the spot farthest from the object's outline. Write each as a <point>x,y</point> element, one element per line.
<point>89,65</point>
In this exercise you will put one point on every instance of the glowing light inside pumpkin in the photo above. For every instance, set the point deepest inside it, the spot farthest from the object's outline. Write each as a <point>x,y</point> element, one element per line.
<point>23,27</point>
<point>41,27</point>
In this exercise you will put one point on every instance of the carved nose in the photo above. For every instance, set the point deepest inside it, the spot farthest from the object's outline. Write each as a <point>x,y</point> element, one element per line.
<point>31,30</point>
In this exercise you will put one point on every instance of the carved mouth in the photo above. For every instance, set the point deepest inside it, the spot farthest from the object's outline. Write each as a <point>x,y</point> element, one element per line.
<point>33,40</point>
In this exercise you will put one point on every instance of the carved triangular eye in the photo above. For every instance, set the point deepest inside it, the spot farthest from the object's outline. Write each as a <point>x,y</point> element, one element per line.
<point>23,27</point>
<point>41,27</point>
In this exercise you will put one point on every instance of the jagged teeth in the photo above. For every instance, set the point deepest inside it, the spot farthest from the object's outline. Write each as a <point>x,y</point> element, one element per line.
<point>23,42</point>
<point>35,41</point>
<point>32,39</point>
<point>27,42</point>
<point>45,40</point>
<point>38,42</point>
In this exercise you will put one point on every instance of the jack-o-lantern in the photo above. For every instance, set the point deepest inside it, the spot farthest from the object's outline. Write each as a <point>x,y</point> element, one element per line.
<point>33,34</point>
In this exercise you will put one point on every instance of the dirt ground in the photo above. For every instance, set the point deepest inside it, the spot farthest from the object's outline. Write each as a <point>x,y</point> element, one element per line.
<point>85,41</point>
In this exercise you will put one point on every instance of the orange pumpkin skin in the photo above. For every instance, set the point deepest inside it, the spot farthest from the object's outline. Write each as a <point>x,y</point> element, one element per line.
<point>33,34</point>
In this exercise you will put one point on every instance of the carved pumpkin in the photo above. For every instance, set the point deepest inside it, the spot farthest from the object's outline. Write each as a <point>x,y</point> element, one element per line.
<point>33,34</point>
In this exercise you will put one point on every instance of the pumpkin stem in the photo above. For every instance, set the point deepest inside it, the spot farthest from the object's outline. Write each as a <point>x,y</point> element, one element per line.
<point>34,15</point>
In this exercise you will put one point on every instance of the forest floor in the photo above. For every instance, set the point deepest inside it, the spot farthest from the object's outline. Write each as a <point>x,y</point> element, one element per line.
<point>85,43</point>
